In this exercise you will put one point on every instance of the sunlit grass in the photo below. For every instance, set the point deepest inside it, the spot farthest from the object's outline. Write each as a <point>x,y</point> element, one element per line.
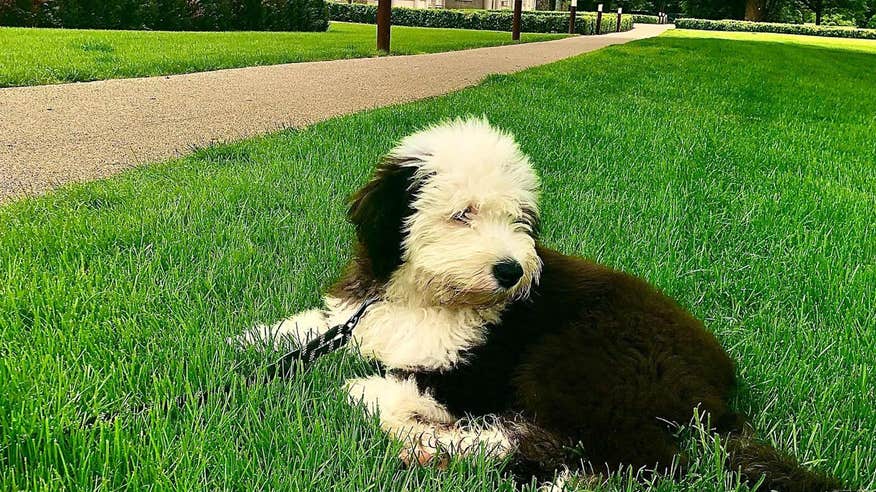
<point>865,45</point>
<point>49,56</point>
<point>737,176</point>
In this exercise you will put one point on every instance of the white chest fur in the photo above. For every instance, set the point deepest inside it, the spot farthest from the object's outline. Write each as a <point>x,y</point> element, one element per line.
<point>403,336</point>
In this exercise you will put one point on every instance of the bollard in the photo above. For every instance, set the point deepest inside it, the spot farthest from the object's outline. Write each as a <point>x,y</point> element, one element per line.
<point>598,19</point>
<point>573,8</point>
<point>384,14</point>
<point>620,11</point>
<point>515,21</point>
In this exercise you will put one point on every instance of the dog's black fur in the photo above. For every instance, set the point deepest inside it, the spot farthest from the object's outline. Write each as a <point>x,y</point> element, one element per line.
<point>594,361</point>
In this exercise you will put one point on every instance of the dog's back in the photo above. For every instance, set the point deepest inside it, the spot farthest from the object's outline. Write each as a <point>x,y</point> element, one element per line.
<point>619,360</point>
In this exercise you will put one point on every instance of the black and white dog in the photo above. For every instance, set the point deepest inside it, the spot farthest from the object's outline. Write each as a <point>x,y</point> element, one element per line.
<point>578,366</point>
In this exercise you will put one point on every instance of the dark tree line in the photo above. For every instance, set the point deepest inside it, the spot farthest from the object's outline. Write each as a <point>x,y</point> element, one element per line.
<point>860,12</point>
<point>204,15</point>
<point>857,11</point>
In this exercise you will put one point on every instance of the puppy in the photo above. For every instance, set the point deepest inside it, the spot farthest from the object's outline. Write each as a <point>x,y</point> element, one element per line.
<point>493,343</point>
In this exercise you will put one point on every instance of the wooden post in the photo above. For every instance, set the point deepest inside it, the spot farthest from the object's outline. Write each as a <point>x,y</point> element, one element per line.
<point>384,16</point>
<point>515,21</point>
<point>573,9</point>
<point>598,19</point>
<point>620,11</point>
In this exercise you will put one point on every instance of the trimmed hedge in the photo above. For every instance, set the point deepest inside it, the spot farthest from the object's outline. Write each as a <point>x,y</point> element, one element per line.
<point>636,18</point>
<point>645,19</point>
<point>170,15</point>
<point>484,20</point>
<point>809,30</point>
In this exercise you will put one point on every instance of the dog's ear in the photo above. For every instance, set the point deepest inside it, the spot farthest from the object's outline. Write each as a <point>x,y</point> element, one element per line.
<point>378,211</point>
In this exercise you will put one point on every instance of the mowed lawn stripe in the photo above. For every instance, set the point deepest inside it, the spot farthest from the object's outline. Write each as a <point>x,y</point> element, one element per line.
<point>736,175</point>
<point>51,56</point>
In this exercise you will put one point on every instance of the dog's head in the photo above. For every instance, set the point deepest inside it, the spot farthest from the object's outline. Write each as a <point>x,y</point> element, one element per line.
<point>452,213</point>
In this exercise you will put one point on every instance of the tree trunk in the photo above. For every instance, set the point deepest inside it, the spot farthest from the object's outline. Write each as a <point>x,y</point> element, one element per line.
<point>818,16</point>
<point>754,10</point>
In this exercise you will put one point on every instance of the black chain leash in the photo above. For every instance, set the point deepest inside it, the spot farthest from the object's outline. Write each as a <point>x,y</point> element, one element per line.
<point>328,342</point>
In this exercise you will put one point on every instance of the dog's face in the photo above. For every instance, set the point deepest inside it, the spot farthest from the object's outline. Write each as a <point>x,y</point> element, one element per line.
<point>452,212</point>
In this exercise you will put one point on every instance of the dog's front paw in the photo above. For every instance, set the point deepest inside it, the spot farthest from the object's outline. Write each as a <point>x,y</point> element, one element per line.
<point>421,454</point>
<point>293,332</point>
<point>365,391</point>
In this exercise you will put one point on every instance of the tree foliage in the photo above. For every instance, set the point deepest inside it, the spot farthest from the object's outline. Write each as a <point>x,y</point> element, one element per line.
<point>853,12</point>
<point>713,9</point>
<point>173,15</point>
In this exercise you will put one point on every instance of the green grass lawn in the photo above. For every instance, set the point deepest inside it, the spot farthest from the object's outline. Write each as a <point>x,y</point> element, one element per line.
<point>863,45</point>
<point>737,175</point>
<point>50,56</point>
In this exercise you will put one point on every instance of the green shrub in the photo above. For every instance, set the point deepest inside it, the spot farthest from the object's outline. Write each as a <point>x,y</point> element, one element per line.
<point>213,15</point>
<point>645,19</point>
<point>872,23</point>
<point>810,30</point>
<point>837,20</point>
<point>485,20</point>
<point>172,15</point>
<point>295,15</point>
<point>16,12</point>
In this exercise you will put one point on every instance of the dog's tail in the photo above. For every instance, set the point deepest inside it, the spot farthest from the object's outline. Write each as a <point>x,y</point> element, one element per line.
<point>757,461</point>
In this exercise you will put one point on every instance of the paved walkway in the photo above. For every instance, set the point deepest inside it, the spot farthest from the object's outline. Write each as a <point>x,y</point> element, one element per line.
<point>50,135</point>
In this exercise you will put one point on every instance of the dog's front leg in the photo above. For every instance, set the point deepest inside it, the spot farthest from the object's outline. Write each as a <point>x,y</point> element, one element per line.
<point>428,431</point>
<point>298,329</point>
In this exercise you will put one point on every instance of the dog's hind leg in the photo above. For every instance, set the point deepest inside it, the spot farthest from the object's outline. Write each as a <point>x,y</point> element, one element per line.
<point>428,431</point>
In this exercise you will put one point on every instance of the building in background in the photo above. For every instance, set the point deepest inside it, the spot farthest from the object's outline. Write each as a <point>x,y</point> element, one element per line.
<point>487,4</point>
<point>414,4</point>
<point>459,4</point>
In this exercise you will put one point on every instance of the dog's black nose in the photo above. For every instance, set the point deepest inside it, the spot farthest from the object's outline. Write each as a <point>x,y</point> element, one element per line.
<point>507,273</point>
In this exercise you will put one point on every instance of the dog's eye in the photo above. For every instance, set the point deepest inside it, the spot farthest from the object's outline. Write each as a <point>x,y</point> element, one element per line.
<point>463,216</point>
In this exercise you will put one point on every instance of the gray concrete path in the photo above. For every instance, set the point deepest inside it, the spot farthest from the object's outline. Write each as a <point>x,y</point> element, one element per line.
<point>51,135</point>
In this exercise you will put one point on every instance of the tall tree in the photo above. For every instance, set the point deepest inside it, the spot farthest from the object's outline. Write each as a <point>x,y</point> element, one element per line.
<point>714,9</point>
<point>819,7</point>
<point>765,10</point>
<point>816,6</point>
